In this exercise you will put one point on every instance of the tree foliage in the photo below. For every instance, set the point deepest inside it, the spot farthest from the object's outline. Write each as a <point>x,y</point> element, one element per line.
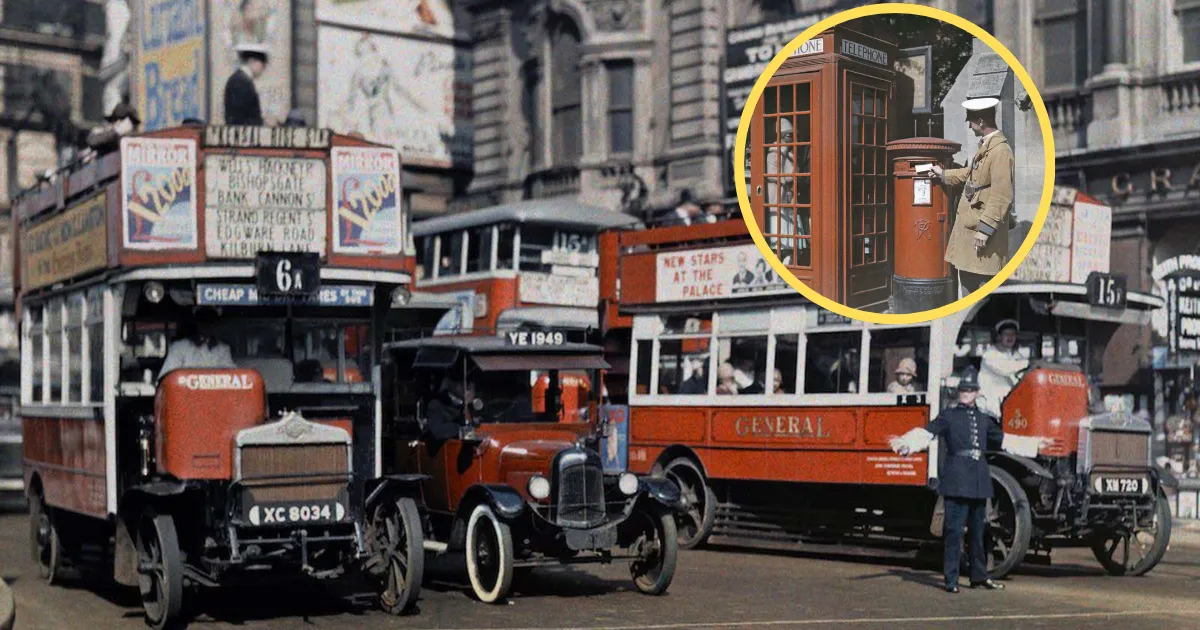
<point>951,45</point>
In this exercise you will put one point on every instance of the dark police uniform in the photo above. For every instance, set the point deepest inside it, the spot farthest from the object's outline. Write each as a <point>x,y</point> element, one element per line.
<point>242,106</point>
<point>964,480</point>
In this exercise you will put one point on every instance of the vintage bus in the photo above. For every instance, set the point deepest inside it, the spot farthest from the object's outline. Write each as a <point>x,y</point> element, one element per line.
<point>774,416</point>
<point>529,264</point>
<point>201,318</point>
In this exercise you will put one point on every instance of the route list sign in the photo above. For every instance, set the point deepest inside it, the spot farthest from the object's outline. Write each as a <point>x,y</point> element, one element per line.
<point>257,203</point>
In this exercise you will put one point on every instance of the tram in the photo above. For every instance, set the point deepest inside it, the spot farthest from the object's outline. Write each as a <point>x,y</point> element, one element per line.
<point>774,416</point>
<point>201,322</point>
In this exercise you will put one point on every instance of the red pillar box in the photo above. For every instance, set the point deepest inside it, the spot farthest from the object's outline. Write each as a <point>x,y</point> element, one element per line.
<point>921,278</point>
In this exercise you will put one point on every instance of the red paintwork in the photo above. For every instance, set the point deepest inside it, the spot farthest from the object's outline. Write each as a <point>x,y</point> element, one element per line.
<point>576,393</point>
<point>67,455</point>
<point>500,293</point>
<point>196,427</point>
<point>806,444</point>
<point>1048,402</point>
<point>509,454</point>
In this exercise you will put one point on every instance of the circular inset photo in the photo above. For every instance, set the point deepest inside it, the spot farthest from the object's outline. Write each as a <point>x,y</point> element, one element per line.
<point>898,163</point>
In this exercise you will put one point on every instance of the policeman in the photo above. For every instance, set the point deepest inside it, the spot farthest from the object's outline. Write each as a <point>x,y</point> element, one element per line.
<point>965,482</point>
<point>978,246</point>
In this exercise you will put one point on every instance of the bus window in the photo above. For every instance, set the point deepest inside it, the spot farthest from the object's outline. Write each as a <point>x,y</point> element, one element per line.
<point>426,256</point>
<point>95,331</point>
<point>831,362</point>
<point>787,349</point>
<point>899,360</point>
<point>645,357</point>
<point>452,254</point>
<point>742,365</point>
<point>479,250</point>
<point>74,349</point>
<point>683,366</point>
<point>37,352</point>
<point>54,323</point>
<point>535,239</point>
<point>504,247</point>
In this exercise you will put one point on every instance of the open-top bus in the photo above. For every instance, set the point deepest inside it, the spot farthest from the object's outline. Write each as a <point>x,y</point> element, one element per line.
<point>201,318</point>
<point>774,416</point>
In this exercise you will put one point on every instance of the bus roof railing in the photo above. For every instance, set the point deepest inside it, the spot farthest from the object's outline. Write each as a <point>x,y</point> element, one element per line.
<point>561,212</point>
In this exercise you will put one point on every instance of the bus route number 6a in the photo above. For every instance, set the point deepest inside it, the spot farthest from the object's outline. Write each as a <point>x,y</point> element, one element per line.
<point>291,273</point>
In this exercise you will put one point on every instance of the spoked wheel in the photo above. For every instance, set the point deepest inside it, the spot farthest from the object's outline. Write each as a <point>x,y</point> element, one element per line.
<point>489,555</point>
<point>398,556</point>
<point>44,541</point>
<point>1137,552</point>
<point>160,569</point>
<point>657,542</point>
<point>1010,524</point>
<point>695,524</point>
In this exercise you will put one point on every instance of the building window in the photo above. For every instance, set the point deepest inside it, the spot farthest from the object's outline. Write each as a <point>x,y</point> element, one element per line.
<point>773,10</point>
<point>1065,42</point>
<point>566,110</point>
<point>529,107</point>
<point>1189,27</point>
<point>979,12</point>
<point>620,107</point>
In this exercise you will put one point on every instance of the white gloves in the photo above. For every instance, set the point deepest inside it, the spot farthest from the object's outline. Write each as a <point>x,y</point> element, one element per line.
<point>914,441</point>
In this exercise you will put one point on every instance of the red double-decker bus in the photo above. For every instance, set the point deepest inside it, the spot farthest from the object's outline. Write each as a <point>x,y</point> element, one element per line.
<point>774,416</point>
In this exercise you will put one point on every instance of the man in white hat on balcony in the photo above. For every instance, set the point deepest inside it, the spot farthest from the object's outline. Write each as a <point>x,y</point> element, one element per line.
<point>242,106</point>
<point>978,246</point>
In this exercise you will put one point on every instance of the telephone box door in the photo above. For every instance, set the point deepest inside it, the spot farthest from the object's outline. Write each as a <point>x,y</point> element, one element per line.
<point>868,248</point>
<point>784,137</point>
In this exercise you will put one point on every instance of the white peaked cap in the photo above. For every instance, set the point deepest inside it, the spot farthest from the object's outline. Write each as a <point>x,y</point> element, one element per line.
<point>257,49</point>
<point>977,104</point>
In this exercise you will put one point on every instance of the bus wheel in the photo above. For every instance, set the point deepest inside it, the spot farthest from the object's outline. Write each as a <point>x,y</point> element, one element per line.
<point>658,544</point>
<point>44,540</point>
<point>160,571</point>
<point>1010,524</point>
<point>397,541</point>
<point>695,524</point>
<point>489,555</point>
<point>1138,551</point>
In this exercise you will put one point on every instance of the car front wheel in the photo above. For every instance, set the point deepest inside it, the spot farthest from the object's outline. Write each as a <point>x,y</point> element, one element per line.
<point>489,555</point>
<point>657,544</point>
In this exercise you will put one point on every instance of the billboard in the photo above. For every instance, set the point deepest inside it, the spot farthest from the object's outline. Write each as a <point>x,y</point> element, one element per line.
<point>158,194</point>
<point>366,194</point>
<point>235,22</point>
<point>407,93</point>
<point>67,245</point>
<point>721,272</point>
<point>170,81</point>
<point>401,17</point>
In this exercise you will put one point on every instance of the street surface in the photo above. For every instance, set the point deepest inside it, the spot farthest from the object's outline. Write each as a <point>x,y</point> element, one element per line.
<point>725,588</point>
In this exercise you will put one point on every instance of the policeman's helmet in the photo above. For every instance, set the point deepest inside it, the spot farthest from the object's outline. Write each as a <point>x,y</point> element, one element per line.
<point>968,380</point>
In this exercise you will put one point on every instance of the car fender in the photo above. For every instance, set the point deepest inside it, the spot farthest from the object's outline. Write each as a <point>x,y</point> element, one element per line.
<point>133,502</point>
<point>662,490</point>
<point>1020,466</point>
<point>408,485</point>
<point>1164,477</point>
<point>505,501</point>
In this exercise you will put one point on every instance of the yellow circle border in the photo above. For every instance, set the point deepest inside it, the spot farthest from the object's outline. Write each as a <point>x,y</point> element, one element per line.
<point>740,165</point>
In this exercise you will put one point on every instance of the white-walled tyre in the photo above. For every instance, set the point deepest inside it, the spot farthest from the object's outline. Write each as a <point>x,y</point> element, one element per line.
<point>489,555</point>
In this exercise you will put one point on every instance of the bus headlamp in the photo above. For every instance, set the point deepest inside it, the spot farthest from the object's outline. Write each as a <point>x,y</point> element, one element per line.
<point>539,487</point>
<point>154,292</point>
<point>401,296</point>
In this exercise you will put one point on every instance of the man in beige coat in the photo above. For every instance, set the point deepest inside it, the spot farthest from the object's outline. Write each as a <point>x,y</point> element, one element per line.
<point>978,246</point>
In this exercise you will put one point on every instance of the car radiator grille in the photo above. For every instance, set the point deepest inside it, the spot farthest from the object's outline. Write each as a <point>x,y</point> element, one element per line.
<point>1119,448</point>
<point>580,495</point>
<point>294,472</point>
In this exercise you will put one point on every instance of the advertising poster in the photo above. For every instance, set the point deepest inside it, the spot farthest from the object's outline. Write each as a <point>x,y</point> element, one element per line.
<point>171,82</point>
<point>366,194</point>
<point>715,273</point>
<point>411,94</point>
<point>263,204</point>
<point>265,22</point>
<point>158,194</point>
<point>560,290</point>
<point>430,18</point>
<point>1091,239</point>
<point>461,318</point>
<point>614,444</point>
<point>72,243</point>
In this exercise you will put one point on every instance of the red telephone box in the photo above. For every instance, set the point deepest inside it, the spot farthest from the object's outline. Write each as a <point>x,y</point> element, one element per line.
<point>819,170</point>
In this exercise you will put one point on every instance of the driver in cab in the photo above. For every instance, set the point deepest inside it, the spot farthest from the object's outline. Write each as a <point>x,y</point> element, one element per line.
<point>444,413</point>
<point>197,345</point>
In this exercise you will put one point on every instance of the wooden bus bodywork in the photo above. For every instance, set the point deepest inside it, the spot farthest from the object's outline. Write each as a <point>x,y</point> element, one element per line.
<point>188,473</point>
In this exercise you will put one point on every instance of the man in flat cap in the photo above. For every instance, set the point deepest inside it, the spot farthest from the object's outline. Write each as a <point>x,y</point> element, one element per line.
<point>242,106</point>
<point>978,246</point>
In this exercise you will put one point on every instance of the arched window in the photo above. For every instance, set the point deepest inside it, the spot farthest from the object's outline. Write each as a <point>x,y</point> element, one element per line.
<point>566,111</point>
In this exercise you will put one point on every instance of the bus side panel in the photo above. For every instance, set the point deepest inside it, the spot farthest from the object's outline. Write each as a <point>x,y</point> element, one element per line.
<point>660,425</point>
<point>887,468</point>
<point>68,455</point>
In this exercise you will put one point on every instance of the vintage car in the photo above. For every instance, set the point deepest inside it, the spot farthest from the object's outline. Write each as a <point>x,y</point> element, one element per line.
<point>506,478</point>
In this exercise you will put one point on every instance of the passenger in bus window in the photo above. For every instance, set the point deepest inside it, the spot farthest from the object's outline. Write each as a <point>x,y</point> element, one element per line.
<point>777,383</point>
<point>748,377</point>
<point>1000,366</point>
<point>726,381</point>
<point>198,346</point>
<point>697,383</point>
<point>906,375</point>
